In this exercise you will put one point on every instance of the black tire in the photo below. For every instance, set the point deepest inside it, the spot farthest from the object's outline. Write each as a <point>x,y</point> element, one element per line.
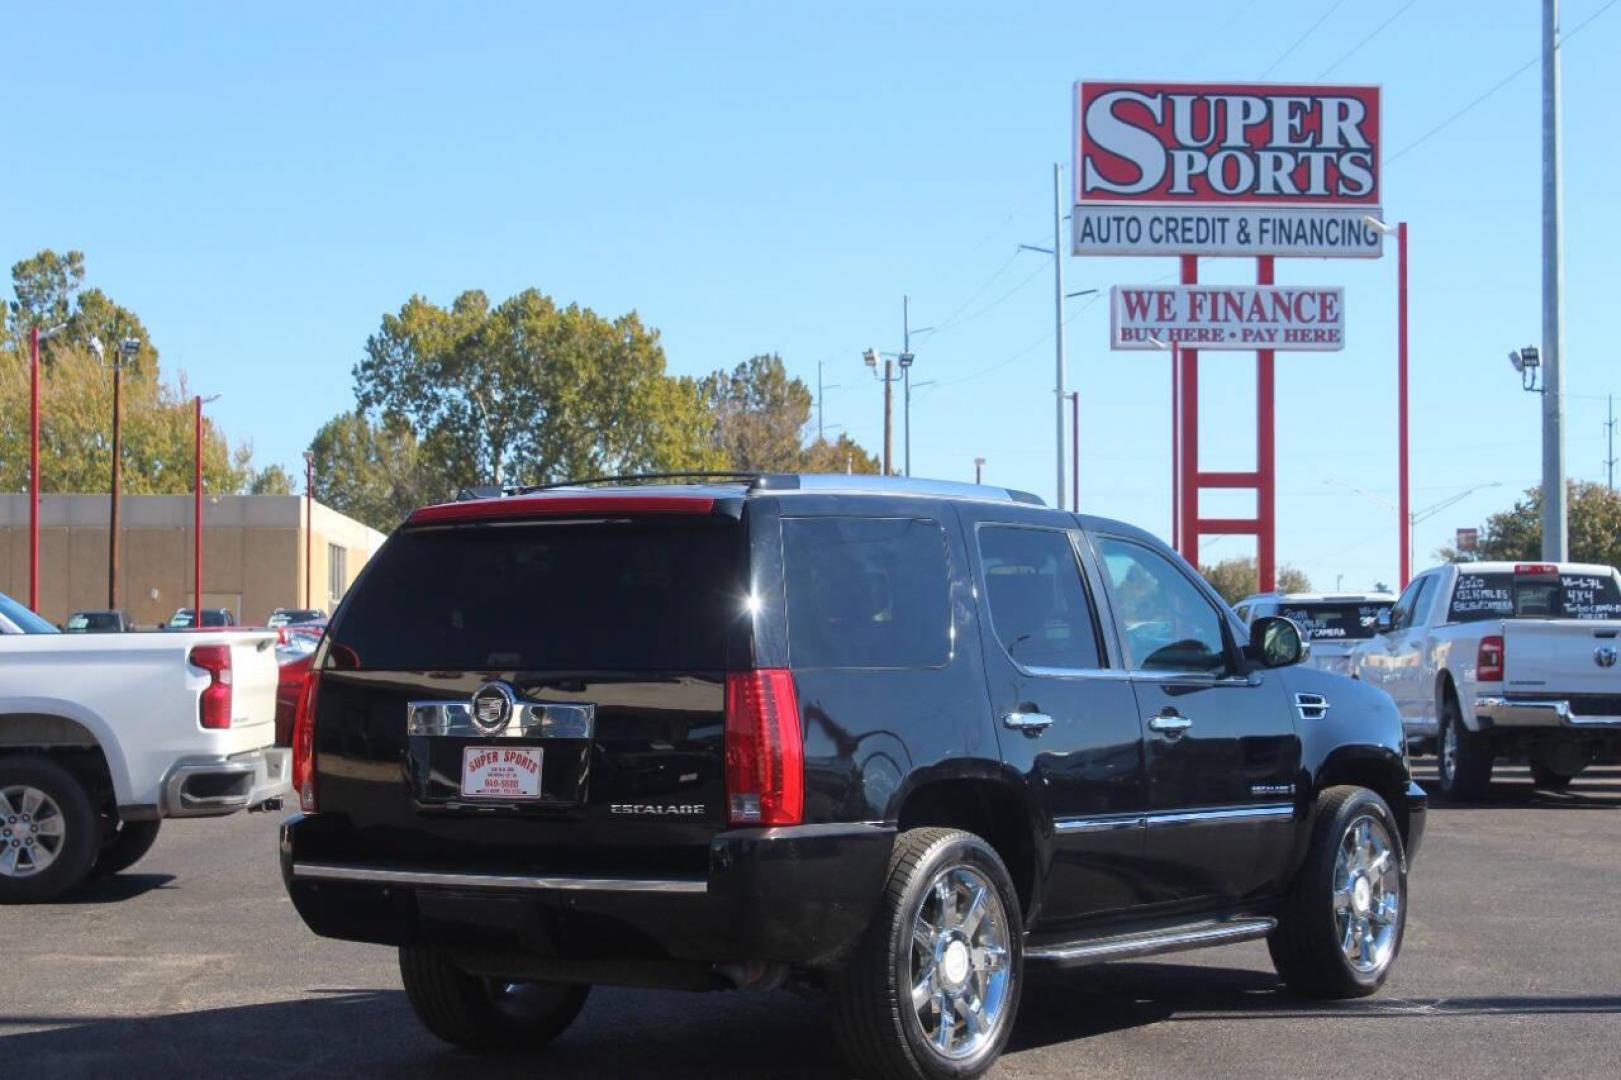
<point>1307,947</point>
<point>482,1014</point>
<point>126,847</point>
<point>1544,777</point>
<point>1466,773</point>
<point>80,831</point>
<point>878,1029</point>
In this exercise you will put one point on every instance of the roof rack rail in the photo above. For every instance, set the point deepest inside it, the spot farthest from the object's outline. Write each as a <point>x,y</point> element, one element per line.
<point>755,480</point>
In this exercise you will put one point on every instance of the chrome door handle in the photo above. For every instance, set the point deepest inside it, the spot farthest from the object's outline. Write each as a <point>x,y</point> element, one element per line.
<point>1031,723</point>
<point>1170,723</point>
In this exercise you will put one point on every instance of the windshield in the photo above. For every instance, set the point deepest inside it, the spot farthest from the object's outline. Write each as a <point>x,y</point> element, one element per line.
<point>1504,595</point>
<point>1335,621</point>
<point>22,618</point>
<point>648,596</point>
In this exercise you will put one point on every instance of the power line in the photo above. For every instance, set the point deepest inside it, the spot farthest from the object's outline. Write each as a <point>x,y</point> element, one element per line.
<point>1027,279</point>
<point>1301,40</point>
<point>1354,49</point>
<point>977,293</point>
<point>1495,87</point>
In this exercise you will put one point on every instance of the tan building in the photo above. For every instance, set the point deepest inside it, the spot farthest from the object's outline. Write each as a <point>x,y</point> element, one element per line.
<point>253,554</point>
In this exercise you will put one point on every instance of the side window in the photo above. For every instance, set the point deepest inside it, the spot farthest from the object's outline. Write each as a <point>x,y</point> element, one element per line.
<point>1413,606</point>
<point>1039,607</point>
<point>1166,622</point>
<point>1243,613</point>
<point>867,592</point>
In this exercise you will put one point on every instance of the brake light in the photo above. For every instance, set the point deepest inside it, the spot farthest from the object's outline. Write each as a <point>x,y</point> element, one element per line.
<point>304,743</point>
<point>1489,660</point>
<point>1536,569</point>
<point>765,751</point>
<point>214,707</point>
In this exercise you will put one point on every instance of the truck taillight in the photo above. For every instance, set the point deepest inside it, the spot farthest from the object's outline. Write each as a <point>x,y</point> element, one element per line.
<point>765,751</point>
<point>214,707</point>
<point>1536,569</point>
<point>1489,660</point>
<point>304,743</point>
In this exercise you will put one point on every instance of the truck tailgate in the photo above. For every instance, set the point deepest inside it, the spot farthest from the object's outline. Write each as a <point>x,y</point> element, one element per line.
<point>1562,657</point>
<point>254,676</point>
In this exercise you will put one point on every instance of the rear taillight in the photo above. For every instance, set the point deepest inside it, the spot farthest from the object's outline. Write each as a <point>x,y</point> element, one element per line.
<point>304,743</point>
<point>214,707</point>
<point>765,752</point>
<point>1489,660</point>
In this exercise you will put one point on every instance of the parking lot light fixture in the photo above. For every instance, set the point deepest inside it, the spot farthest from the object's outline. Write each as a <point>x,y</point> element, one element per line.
<point>35,336</point>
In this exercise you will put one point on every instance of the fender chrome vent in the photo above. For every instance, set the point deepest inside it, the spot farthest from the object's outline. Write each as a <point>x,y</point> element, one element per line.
<point>1311,706</point>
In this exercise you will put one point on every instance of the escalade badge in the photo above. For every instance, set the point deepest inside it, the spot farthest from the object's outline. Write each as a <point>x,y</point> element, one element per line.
<point>492,706</point>
<point>1604,656</point>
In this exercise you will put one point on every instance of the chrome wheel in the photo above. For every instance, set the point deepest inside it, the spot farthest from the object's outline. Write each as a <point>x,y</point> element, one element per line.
<point>1367,895</point>
<point>31,831</point>
<point>960,963</point>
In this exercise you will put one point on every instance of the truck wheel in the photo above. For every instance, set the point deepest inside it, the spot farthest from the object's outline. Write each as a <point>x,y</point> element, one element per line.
<point>48,830</point>
<point>933,986</point>
<point>126,847</point>
<point>1543,776</point>
<point>1465,758</point>
<point>1342,925</point>
<point>477,1013</point>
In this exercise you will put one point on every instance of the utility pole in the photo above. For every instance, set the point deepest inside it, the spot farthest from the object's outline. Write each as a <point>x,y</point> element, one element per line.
<point>1074,450</point>
<point>889,411</point>
<point>1609,443</point>
<point>819,402</point>
<point>1058,320</point>
<point>1555,546</point>
<point>123,355</point>
<point>906,359</point>
<point>979,470</point>
<point>309,521</point>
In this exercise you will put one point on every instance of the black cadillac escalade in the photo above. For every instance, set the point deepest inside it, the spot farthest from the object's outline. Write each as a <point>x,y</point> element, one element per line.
<point>899,741</point>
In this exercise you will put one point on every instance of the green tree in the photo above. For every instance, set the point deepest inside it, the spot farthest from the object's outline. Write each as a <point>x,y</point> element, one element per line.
<point>526,391</point>
<point>270,480</point>
<point>843,456</point>
<point>758,414</point>
<point>47,292</point>
<point>1238,577</point>
<point>1515,534</point>
<point>375,473</point>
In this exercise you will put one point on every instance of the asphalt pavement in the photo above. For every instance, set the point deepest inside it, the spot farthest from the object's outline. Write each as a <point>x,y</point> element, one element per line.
<point>195,964</point>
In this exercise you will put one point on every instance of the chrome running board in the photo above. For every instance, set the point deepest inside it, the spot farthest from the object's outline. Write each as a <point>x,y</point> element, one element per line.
<point>1172,939</point>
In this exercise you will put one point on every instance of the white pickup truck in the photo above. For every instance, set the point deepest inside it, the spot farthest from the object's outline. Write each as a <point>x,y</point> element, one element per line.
<point>1495,659</point>
<point>104,735</point>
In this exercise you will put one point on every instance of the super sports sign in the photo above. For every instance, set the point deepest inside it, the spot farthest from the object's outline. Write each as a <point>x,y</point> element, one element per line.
<point>1226,169</point>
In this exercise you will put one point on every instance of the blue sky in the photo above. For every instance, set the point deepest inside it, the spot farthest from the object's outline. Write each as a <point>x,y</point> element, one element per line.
<point>263,185</point>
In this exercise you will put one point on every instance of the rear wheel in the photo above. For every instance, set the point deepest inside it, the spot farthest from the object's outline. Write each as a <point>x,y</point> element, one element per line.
<point>1545,777</point>
<point>48,830</point>
<point>478,1013</point>
<point>127,846</point>
<point>1465,757</point>
<point>932,989</point>
<point>1342,925</point>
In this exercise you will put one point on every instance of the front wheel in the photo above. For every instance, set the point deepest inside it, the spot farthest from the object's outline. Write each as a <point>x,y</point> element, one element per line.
<point>485,1014</point>
<point>932,988</point>
<point>1342,926</point>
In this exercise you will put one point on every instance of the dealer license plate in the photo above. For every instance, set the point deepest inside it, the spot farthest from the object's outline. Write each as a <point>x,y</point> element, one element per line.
<point>501,772</point>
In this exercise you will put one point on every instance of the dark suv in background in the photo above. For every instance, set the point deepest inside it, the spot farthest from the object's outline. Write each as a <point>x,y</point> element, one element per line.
<point>899,741</point>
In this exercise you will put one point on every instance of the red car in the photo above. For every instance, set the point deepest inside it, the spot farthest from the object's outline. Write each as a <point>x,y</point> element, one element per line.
<point>295,645</point>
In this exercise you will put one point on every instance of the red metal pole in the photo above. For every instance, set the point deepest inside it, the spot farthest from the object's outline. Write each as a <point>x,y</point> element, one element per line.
<point>1266,537</point>
<point>1406,522</point>
<point>1188,482</point>
<point>1176,446</point>
<point>197,519</point>
<point>309,520</point>
<point>33,470</point>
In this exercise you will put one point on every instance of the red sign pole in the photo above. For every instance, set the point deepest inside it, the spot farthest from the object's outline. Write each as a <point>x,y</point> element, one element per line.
<point>1188,481</point>
<point>1405,526</point>
<point>197,518</point>
<point>1266,538</point>
<point>1176,445</point>
<point>33,470</point>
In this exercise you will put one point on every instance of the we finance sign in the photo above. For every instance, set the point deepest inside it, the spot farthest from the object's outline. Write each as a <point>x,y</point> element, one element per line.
<point>1226,169</point>
<point>1305,319</point>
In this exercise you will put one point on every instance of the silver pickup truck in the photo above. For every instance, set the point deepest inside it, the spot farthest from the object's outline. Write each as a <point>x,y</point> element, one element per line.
<point>1497,659</point>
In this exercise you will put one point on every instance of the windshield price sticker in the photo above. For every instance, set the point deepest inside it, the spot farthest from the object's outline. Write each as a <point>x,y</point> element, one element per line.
<point>501,772</point>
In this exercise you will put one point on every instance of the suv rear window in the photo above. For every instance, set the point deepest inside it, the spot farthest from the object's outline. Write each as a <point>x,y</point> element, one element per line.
<point>1540,596</point>
<point>867,592</point>
<point>559,596</point>
<point>1330,621</point>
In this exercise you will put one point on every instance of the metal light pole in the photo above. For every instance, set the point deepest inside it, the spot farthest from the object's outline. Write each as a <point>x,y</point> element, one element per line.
<point>123,356</point>
<point>1403,457</point>
<point>906,357</point>
<point>309,522</point>
<point>1609,442</point>
<point>1410,519</point>
<point>35,336</point>
<point>979,470</point>
<point>1555,545</point>
<point>1074,449</point>
<point>1058,320</point>
<point>197,511</point>
<point>871,356</point>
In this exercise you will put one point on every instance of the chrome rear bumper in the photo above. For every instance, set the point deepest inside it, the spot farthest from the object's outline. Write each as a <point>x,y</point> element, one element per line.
<point>1538,713</point>
<point>214,786</point>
